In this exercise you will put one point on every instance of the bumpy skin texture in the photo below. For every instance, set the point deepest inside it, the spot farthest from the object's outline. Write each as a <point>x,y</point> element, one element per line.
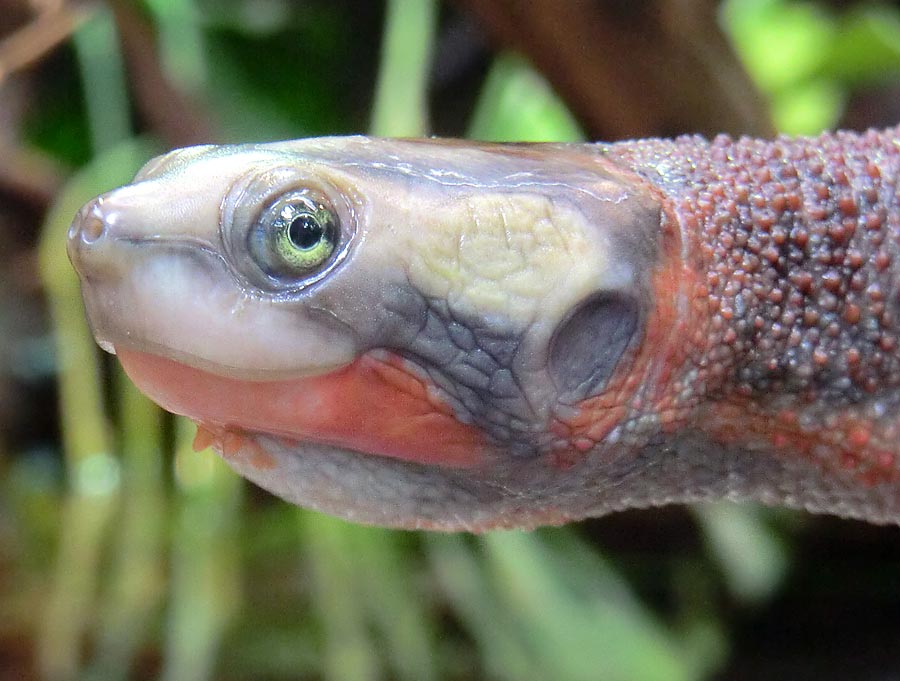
<point>557,331</point>
<point>791,247</point>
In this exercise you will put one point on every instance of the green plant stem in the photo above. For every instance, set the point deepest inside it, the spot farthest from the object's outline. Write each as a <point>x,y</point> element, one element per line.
<point>400,108</point>
<point>86,436</point>
<point>103,80</point>
<point>205,578</point>
<point>387,574</point>
<point>181,43</point>
<point>349,653</point>
<point>137,581</point>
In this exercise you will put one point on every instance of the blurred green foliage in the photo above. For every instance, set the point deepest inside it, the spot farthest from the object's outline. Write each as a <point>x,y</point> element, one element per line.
<point>149,560</point>
<point>805,57</point>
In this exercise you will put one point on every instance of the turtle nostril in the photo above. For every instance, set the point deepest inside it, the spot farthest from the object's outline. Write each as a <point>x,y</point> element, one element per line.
<point>89,225</point>
<point>92,228</point>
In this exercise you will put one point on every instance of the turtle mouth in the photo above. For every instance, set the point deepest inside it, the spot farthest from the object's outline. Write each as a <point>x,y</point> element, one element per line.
<point>442,477</point>
<point>372,406</point>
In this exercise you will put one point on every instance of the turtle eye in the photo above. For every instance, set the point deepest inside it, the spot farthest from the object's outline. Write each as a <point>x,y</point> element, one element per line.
<point>285,228</point>
<point>294,236</point>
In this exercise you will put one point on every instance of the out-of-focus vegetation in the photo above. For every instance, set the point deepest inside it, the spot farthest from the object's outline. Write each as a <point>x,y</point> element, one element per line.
<point>808,58</point>
<point>124,554</point>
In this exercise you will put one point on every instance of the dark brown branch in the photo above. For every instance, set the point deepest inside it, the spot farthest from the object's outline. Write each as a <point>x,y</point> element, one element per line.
<point>633,69</point>
<point>29,175</point>
<point>34,40</point>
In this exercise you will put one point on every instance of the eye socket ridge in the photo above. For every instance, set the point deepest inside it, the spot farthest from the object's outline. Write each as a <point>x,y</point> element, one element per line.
<point>284,228</point>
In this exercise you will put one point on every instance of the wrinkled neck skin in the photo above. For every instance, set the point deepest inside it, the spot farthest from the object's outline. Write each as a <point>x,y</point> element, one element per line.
<point>516,335</point>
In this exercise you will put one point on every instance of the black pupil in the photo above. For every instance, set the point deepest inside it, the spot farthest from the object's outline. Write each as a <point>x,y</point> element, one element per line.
<point>305,231</point>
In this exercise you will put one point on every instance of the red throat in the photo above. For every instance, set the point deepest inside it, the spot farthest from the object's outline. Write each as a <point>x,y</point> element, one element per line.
<point>374,406</point>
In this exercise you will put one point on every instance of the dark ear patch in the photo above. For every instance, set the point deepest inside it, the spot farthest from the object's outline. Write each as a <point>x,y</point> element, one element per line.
<point>588,344</point>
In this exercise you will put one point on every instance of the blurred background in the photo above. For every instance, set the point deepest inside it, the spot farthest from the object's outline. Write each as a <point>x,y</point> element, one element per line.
<point>125,555</point>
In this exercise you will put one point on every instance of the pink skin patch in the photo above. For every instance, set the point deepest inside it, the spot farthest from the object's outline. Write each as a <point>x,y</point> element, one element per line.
<point>373,406</point>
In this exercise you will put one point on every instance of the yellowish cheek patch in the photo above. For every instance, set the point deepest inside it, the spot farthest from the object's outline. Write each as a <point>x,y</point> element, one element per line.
<point>505,253</point>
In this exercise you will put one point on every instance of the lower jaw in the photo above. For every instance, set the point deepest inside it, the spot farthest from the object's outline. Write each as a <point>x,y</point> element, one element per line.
<point>371,406</point>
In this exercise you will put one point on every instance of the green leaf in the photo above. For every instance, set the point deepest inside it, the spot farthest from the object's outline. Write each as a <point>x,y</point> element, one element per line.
<point>781,43</point>
<point>580,617</point>
<point>866,49</point>
<point>518,105</point>
<point>750,554</point>
<point>808,108</point>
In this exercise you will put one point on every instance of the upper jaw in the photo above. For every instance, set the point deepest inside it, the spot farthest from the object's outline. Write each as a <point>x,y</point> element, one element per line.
<point>173,295</point>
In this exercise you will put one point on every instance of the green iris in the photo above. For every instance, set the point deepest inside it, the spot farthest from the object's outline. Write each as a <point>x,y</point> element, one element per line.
<point>304,235</point>
<point>293,239</point>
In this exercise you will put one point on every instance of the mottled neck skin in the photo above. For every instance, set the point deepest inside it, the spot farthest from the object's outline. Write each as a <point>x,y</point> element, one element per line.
<point>791,248</point>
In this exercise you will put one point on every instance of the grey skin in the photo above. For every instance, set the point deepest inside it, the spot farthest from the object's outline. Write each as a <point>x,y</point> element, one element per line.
<point>517,278</point>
